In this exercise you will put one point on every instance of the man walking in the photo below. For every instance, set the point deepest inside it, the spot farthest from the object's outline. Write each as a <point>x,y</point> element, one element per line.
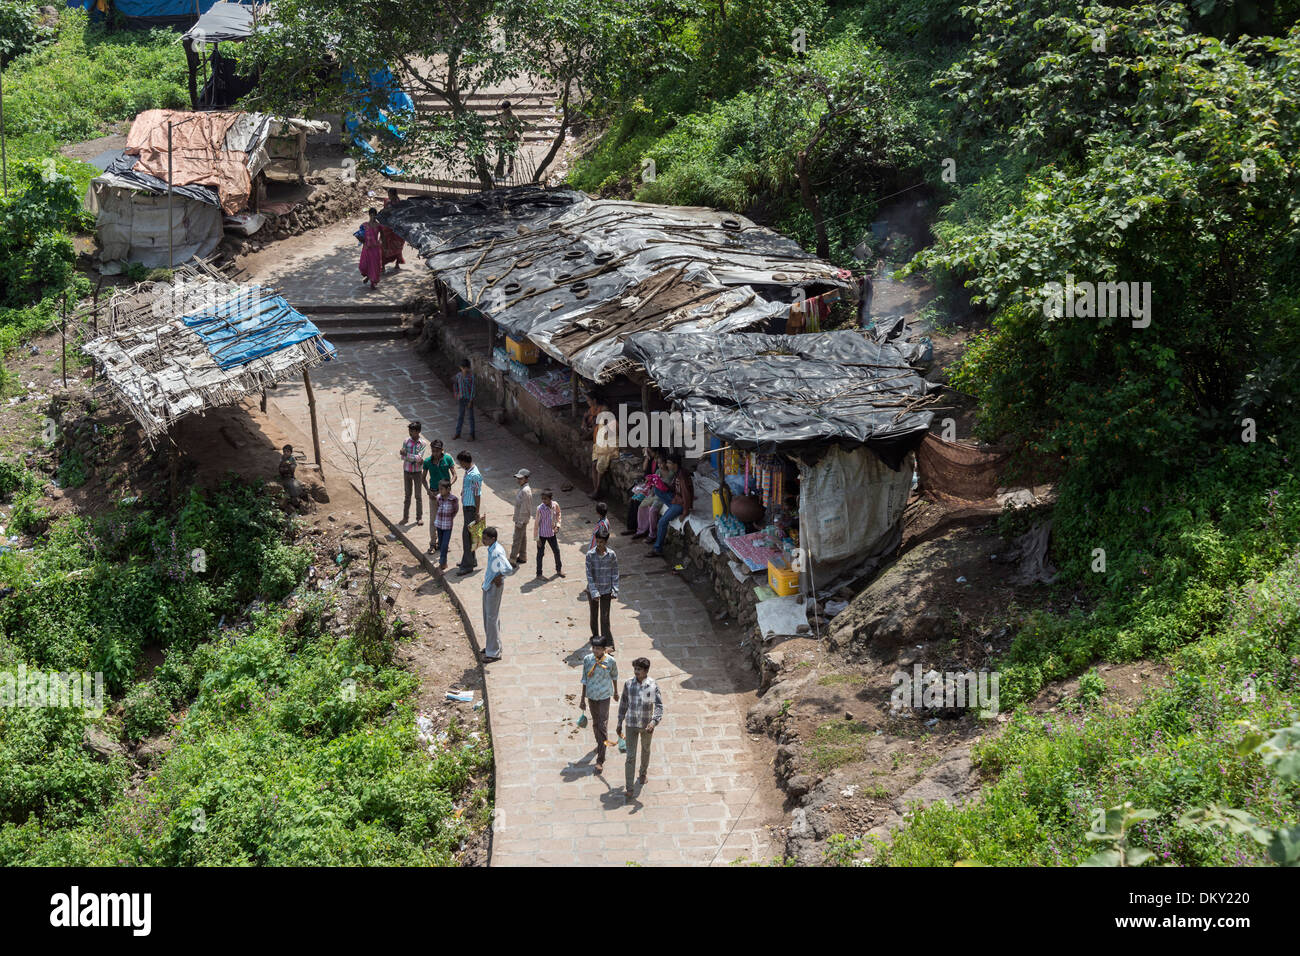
<point>523,512</point>
<point>493,587</point>
<point>462,386</point>
<point>599,682</point>
<point>643,709</point>
<point>470,492</point>
<point>602,586</point>
<point>412,455</point>
<point>548,526</point>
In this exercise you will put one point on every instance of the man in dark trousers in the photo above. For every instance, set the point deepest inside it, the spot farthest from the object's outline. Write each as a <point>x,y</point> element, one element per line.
<point>471,491</point>
<point>599,683</point>
<point>602,586</point>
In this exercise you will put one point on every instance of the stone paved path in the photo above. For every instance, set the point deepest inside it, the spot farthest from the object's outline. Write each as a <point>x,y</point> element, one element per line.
<point>710,791</point>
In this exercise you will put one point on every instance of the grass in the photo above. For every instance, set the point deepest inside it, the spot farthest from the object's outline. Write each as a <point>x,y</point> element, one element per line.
<point>838,742</point>
<point>87,80</point>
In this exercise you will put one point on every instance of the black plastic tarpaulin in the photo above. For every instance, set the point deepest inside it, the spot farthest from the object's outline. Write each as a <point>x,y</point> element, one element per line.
<point>791,393</point>
<point>223,22</point>
<point>536,260</point>
<point>122,172</point>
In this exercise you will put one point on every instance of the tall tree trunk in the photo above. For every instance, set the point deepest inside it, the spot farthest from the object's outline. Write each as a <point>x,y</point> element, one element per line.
<point>810,201</point>
<point>460,111</point>
<point>559,137</point>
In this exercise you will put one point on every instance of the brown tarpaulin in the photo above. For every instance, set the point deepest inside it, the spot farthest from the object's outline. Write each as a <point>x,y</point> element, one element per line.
<point>199,154</point>
<point>957,470</point>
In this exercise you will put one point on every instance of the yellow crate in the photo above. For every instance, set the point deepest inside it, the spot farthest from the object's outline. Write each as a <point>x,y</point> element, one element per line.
<point>523,352</point>
<point>717,504</point>
<point>783,580</point>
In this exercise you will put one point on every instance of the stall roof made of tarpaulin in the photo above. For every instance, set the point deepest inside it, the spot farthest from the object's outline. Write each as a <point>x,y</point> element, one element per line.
<point>536,259</point>
<point>791,393</point>
<point>227,21</point>
<point>592,343</point>
<point>198,342</point>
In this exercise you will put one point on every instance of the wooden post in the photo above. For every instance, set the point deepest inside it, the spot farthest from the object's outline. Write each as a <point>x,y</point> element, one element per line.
<point>264,401</point>
<point>63,340</point>
<point>645,398</point>
<point>171,244</point>
<point>315,433</point>
<point>95,320</point>
<point>173,459</point>
<point>573,394</point>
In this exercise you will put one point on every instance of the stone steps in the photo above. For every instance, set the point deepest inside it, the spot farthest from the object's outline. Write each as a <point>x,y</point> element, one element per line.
<point>357,322</point>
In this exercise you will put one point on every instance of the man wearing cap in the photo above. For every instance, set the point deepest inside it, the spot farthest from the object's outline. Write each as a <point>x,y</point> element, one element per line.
<point>412,455</point>
<point>523,512</point>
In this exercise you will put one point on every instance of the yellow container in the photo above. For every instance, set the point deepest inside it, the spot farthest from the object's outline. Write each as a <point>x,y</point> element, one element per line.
<point>783,580</point>
<point>523,352</point>
<point>717,504</point>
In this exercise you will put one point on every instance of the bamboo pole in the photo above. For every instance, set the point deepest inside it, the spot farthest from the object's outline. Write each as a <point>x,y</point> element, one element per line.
<point>315,432</point>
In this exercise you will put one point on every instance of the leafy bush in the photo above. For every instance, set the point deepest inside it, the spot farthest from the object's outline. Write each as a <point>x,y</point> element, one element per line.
<point>145,710</point>
<point>20,29</point>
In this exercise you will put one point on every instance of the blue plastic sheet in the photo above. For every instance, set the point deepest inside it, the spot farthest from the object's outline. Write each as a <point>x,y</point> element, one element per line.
<point>249,326</point>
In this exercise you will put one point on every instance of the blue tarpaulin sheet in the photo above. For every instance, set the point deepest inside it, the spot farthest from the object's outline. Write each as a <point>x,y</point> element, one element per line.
<point>174,10</point>
<point>249,326</point>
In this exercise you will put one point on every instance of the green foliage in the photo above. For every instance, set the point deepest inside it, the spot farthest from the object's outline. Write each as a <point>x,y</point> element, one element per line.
<point>1114,828</point>
<point>21,29</point>
<point>47,774</point>
<point>294,753</point>
<point>97,593</point>
<point>90,77</point>
<point>1091,688</point>
<point>1179,751</point>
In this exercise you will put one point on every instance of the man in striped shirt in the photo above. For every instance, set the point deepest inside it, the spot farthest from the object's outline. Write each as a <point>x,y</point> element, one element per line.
<point>642,708</point>
<point>462,387</point>
<point>546,528</point>
<point>412,455</point>
<point>599,683</point>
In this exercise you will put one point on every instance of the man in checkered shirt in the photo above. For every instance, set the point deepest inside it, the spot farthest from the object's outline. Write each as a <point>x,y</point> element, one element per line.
<point>642,708</point>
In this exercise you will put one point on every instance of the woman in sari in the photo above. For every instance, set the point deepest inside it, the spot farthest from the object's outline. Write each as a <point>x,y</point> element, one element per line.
<point>371,251</point>
<point>393,243</point>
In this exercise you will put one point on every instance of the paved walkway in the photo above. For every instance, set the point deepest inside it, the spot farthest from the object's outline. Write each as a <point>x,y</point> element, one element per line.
<point>710,791</point>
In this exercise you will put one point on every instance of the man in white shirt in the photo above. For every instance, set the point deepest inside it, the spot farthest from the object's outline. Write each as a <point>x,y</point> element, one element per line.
<point>494,579</point>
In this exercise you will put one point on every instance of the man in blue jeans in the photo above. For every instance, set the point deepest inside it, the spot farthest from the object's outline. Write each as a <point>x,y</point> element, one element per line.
<point>682,500</point>
<point>462,386</point>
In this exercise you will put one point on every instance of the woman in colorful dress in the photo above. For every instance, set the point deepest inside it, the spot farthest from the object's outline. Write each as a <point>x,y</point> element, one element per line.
<point>371,251</point>
<point>393,243</point>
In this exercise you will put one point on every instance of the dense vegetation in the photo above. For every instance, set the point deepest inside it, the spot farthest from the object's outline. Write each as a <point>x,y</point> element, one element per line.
<point>63,85</point>
<point>288,747</point>
<point>1141,142</point>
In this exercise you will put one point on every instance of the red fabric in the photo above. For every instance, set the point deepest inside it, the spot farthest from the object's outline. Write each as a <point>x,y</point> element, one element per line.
<point>393,243</point>
<point>371,254</point>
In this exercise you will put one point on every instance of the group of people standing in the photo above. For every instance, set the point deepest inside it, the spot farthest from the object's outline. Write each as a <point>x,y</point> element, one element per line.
<point>641,703</point>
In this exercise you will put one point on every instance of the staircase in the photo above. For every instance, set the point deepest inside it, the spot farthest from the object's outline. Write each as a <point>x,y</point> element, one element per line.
<point>355,322</point>
<point>534,109</point>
